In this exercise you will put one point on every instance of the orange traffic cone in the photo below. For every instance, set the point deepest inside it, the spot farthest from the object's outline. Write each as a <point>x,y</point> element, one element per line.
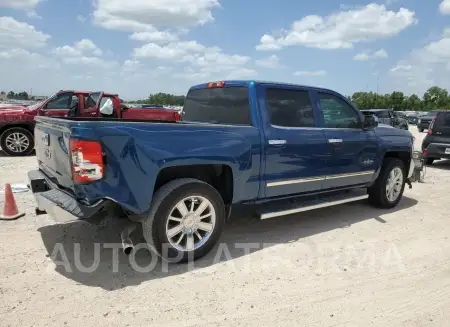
<point>10,211</point>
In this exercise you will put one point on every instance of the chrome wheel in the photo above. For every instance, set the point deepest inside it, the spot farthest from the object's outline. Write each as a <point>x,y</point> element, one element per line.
<point>394,184</point>
<point>190,223</point>
<point>17,142</point>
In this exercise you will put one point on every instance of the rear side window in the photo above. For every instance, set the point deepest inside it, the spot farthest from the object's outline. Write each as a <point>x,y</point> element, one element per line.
<point>290,108</point>
<point>228,105</point>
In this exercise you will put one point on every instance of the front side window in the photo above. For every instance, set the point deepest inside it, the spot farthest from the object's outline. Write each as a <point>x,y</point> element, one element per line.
<point>338,113</point>
<point>226,105</point>
<point>290,108</point>
<point>61,101</point>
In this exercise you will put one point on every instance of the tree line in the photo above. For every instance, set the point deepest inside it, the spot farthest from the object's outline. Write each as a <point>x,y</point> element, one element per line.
<point>16,96</point>
<point>434,98</point>
<point>163,99</point>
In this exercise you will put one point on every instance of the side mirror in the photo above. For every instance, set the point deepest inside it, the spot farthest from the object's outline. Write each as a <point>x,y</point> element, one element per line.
<point>370,121</point>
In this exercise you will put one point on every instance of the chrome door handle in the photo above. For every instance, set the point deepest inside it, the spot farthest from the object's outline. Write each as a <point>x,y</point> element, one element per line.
<point>277,142</point>
<point>334,140</point>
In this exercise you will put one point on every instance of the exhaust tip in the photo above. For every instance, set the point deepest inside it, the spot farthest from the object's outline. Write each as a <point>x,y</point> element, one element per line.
<point>127,250</point>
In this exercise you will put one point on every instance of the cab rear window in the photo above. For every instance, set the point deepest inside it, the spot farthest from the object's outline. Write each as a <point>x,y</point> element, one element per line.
<point>442,120</point>
<point>227,105</point>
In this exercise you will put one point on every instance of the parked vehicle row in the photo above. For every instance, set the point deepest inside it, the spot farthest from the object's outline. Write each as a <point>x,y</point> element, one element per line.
<point>17,122</point>
<point>285,147</point>
<point>388,117</point>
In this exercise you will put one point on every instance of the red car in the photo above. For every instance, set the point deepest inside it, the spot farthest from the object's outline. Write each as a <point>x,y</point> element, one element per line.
<point>17,122</point>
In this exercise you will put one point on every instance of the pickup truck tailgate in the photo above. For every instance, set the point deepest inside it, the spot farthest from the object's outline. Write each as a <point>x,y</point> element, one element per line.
<point>52,151</point>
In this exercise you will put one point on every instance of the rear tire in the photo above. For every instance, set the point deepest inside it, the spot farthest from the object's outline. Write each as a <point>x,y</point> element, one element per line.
<point>193,240</point>
<point>17,141</point>
<point>378,193</point>
<point>429,161</point>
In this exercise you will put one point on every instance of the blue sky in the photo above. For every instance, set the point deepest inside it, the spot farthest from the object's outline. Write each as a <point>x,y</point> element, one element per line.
<point>138,47</point>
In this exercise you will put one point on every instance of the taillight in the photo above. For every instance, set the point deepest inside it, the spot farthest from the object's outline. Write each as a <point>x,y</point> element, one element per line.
<point>430,128</point>
<point>177,116</point>
<point>87,161</point>
<point>425,152</point>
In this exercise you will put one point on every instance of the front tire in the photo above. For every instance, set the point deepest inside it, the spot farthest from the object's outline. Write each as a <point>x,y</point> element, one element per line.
<point>390,184</point>
<point>185,221</point>
<point>17,141</point>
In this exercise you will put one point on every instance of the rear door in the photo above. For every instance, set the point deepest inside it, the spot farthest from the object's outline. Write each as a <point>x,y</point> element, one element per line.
<point>296,153</point>
<point>59,105</point>
<point>91,104</point>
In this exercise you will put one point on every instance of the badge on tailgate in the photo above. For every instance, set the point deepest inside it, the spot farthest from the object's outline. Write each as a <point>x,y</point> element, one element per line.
<point>46,139</point>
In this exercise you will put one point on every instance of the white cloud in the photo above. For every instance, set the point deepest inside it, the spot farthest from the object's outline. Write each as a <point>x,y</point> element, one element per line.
<point>444,7</point>
<point>310,73</point>
<point>156,36</point>
<point>426,66</point>
<point>342,29</point>
<point>191,52</point>
<point>83,52</point>
<point>141,15</point>
<point>19,4</point>
<point>81,19</point>
<point>364,56</point>
<point>269,62</point>
<point>400,68</point>
<point>15,34</point>
<point>80,48</point>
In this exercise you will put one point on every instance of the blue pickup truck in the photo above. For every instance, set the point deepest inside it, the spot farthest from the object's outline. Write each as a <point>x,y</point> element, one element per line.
<point>286,148</point>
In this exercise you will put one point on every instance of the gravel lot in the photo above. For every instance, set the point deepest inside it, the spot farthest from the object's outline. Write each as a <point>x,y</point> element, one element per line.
<point>351,265</point>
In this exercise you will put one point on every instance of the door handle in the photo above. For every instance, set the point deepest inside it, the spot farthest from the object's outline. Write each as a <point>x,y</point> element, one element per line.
<point>334,140</point>
<point>277,142</point>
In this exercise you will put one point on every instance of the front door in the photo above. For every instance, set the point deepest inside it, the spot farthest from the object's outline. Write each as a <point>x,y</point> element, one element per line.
<point>354,149</point>
<point>58,106</point>
<point>296,152</point>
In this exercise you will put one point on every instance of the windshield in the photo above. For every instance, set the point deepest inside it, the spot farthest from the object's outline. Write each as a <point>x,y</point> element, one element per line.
<point>35,106</point>
<point>40,103</point>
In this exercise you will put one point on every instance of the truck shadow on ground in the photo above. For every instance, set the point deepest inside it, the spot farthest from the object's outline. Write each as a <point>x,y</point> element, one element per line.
<point>4,154</point>
<point>76,245</point>
<point>441,164</point>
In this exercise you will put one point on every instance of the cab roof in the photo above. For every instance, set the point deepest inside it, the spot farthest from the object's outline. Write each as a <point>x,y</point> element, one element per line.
<point>246,83</point>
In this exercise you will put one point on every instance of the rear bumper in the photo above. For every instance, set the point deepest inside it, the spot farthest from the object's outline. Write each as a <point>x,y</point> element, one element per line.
<point>437,150</point>
<point>61,205</point>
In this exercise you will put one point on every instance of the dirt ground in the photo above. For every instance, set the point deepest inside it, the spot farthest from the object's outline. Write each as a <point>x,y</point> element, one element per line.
<point>350,265</point>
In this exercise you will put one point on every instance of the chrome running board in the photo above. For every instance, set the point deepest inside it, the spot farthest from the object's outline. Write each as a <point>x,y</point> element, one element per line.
<point>324,201</point>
